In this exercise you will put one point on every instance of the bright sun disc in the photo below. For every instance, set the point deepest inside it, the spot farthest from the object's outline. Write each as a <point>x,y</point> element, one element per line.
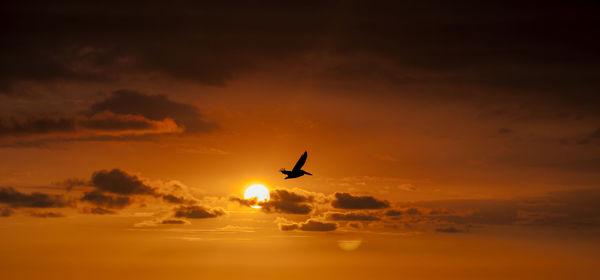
<point>259,191</point>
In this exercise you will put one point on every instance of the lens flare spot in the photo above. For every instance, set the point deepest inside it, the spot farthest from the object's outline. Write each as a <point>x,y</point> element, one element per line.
<point>349,245</point>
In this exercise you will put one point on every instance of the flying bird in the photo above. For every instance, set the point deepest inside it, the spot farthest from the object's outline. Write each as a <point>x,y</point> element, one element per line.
<point>297,171</point>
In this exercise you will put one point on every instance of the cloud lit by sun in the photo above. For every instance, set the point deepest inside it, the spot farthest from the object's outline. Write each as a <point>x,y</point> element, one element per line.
<point>259,191</point>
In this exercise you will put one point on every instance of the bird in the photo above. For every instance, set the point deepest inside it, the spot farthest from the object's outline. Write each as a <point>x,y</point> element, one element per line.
<point>297,170</point>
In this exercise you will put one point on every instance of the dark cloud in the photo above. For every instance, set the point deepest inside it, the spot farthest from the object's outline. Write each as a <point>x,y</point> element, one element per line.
<point>45,143</point>
<point>110,191</point>
<point>36,125</point>
<point>348,201</point>
<point>413,211</point>
<point>313,225</point>
<point>244,202</point>
<point>173,222</point>
<point>16,199</point>
<point>393,213</point>
<point>109,121</point>
<point>439,212</point>
<point>197,212</point>
<point>173,199</point>
<point>103,121</point>
<point>106,200</point>
<point>448,230</point>
<point>47,214</point>
<point>5,212</point>
<point>567,209</point>
<point>590,138</point>
<point>354,216</point>
<point>288,227</point>
<point>119,182</point>
<point>504,131</point>
<point>355,225</point>
<point>154,107</point>
<point>117,189</point>
<point>309,225</point>
<point>124,132</point>
<point>71,183</point>
<point>98,211</point>
<point>159,118</point>
<point>485,211</point>
<point>573,208</point>
<point>283,201</point>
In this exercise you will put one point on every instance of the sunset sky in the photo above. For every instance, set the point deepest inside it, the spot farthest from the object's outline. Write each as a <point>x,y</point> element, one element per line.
<point>447,140</point>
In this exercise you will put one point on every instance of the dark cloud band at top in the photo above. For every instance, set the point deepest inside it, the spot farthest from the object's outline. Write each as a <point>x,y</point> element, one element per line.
<point>540,46</point>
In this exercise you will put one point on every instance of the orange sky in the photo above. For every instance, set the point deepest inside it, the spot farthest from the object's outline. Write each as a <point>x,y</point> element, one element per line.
<point>445,141</point>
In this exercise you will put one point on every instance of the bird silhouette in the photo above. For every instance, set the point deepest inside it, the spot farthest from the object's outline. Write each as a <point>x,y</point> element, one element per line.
<point>297,170</point>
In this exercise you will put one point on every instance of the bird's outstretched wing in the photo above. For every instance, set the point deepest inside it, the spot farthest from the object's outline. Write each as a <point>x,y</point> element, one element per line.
<point>300,162</point>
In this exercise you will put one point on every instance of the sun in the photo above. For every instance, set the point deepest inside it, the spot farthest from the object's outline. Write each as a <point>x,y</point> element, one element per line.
<point>259,191</point>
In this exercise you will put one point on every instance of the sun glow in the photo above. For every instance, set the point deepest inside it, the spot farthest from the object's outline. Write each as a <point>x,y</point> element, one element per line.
<point>259,191</point>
